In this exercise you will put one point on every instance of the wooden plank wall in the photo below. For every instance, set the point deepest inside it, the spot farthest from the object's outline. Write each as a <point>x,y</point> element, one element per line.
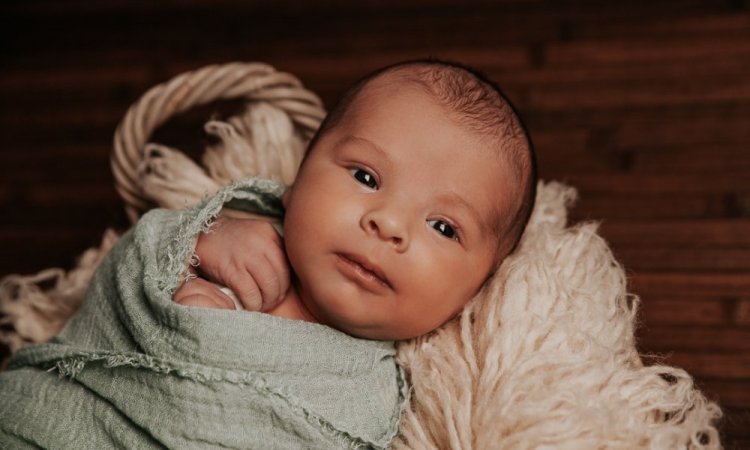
<point>644,106</point>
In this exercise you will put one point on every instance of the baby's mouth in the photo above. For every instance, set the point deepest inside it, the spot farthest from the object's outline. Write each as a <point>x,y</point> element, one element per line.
<point>365,267</point>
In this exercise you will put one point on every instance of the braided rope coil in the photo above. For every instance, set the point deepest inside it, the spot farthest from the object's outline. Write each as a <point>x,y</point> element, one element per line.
<point>268,139</point>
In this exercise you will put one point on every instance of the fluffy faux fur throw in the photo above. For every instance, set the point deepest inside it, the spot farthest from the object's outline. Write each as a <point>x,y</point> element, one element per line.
<point>545,358</point>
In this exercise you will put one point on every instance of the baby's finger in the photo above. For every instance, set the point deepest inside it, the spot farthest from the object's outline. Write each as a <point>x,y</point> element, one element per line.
<point>267,280</point>
<point>280,267</point>
<point>247,291</point>
<point>203,301</point>
<point>200,292</point>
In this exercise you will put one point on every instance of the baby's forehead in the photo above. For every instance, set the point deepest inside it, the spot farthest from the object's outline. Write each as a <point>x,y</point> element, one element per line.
<point>499,144</point>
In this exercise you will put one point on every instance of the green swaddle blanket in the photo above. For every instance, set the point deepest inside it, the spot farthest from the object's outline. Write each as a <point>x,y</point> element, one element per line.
<point>134,370</point>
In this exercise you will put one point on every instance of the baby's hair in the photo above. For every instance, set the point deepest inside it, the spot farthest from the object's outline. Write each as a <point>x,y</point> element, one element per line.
<point>477,104</point>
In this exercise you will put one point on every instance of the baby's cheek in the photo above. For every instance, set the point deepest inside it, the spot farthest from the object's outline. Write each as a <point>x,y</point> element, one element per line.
<point>452,282</point>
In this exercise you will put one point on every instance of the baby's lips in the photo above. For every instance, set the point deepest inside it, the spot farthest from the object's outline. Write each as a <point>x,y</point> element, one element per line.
<point>371,267</point>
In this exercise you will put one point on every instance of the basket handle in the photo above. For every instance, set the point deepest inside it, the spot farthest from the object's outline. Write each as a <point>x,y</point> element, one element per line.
<point>251,81</point>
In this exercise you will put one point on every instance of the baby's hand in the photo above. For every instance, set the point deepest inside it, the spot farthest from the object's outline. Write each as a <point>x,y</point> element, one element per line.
<point>200,292</point>
<point>247,256</point>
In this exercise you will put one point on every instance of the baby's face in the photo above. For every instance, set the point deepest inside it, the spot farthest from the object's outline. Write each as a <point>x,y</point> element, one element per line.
<point>391,223</point>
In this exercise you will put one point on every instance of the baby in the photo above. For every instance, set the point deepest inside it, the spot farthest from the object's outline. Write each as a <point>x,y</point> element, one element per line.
<point>416,186</point>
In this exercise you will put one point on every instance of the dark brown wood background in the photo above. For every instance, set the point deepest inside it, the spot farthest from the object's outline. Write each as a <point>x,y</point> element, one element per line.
<point>643,105</point>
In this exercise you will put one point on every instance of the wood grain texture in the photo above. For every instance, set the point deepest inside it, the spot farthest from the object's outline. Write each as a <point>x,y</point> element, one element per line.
<point>644,106</point>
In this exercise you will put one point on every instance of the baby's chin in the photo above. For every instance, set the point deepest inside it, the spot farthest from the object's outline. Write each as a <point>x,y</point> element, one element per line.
<point>359,327</point>
<point>369,329</point>
<point>367,321</point>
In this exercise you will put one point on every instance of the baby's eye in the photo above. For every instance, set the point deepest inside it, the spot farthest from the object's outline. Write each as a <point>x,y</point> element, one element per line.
<point>443,228</point>
<point>364,177</point>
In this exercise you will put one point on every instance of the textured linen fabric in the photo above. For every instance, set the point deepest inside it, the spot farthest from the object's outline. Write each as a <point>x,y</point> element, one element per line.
<point>135,370</point>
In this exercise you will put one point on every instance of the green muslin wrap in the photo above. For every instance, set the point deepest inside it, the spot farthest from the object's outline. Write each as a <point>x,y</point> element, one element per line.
<point>134,370</point>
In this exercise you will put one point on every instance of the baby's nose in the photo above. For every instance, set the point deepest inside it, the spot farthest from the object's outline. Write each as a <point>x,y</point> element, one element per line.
<point>388,226</point>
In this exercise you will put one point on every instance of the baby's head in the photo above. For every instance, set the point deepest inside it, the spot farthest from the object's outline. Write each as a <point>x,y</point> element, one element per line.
<point>417,185</point>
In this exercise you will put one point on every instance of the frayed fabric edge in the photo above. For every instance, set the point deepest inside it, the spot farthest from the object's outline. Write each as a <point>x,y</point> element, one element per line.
<point>72,366</point>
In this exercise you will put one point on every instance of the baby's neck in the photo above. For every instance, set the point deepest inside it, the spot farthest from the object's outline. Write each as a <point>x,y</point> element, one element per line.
<point>292,306</point>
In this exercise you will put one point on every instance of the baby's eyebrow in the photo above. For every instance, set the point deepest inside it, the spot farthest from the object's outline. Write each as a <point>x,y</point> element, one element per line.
<point>371,145</point>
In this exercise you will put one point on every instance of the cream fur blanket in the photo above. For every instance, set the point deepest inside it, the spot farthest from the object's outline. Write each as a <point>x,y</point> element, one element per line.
<point>543,358</point>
